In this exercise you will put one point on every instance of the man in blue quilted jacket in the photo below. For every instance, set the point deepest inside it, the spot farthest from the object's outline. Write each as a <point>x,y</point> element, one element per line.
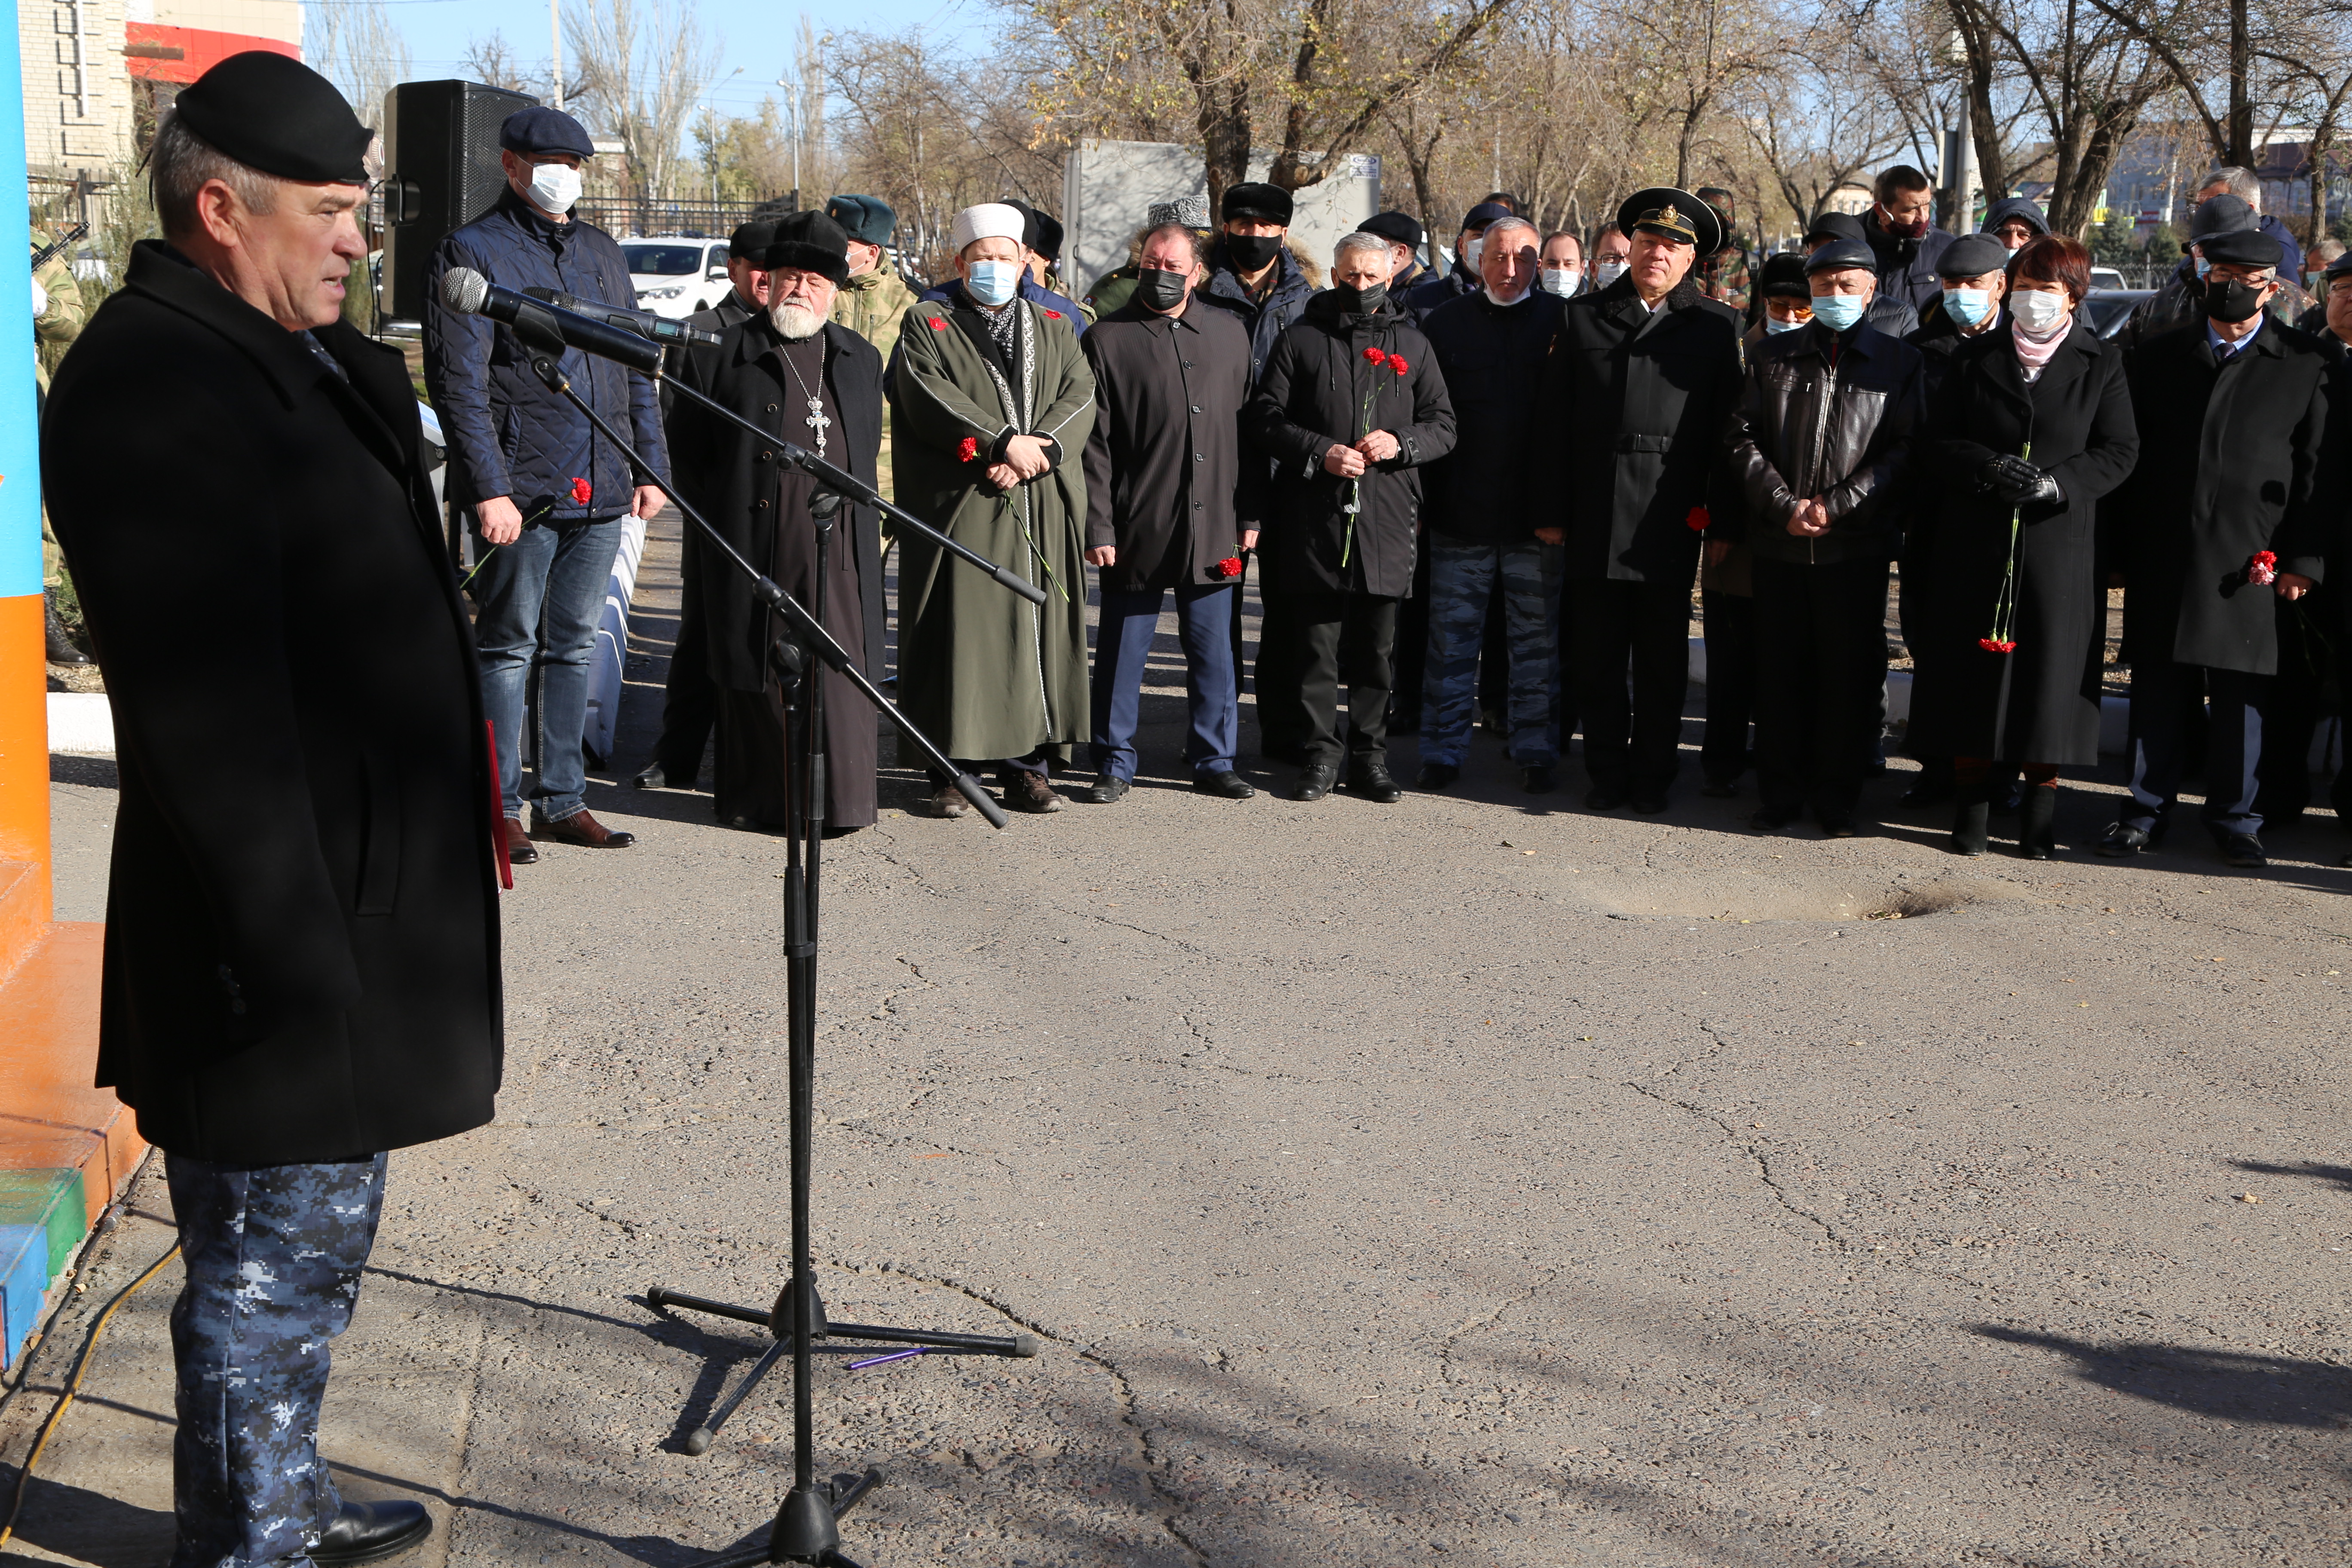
<point>547,492</point>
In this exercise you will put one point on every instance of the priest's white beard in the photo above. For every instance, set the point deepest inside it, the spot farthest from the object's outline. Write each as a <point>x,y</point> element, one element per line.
<point>794,322</point>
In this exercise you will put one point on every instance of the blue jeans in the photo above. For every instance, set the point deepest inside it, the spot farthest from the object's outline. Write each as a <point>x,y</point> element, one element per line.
<point>2167,701</point>
<point>536,604</point>
<point>1463,579</point>
<point>1123,647</point>
<point>274,1255</point>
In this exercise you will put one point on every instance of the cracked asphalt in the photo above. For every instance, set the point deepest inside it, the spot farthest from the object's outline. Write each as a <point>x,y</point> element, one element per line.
<point>1469,1181</point>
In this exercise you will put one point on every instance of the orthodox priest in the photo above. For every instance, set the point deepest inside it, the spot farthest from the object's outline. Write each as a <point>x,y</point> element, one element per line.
<point>992,406</point>
<point>818,385</point>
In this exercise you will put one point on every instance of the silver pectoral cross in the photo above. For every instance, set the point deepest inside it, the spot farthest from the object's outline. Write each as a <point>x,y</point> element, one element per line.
<point>817,422</point>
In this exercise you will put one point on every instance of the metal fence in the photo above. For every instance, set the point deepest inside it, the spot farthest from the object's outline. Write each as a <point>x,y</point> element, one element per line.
<point>698,220</point>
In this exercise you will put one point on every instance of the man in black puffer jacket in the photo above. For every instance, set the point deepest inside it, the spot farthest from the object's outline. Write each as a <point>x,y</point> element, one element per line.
<point>1350,406</point>
<point>547,492</point>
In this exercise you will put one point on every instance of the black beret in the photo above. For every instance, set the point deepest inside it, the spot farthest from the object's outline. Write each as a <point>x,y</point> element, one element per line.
<point>808,242</point>
<point>1782,276</point>
<point>1257,204</point>
<point>2218,215</point>
<point>271,112</point>
<point>1676,214</point>
<point>1834,226</point>
<point>1049,235</point>
<point>1484,213</point>
<point>751,238</point>
<point>1972,256</point>
<point>1397,228</point>
<point>1839,254</point>
<point>2339,267</point>
<point>539,128</point>
<point>2243,247</point>
<point>869,219</point>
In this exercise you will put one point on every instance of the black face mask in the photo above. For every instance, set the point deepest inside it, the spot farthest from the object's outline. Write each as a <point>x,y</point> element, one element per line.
<point>1159,288</point>
<point>2232,301</point>
<point>1252,251</point>
<point>1361,301</point>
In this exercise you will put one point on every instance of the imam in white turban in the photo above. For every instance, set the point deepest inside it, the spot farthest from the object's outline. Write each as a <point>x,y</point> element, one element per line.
<point>990,220</point>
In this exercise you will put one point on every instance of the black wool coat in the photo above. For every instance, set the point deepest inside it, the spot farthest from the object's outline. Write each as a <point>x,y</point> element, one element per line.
<point>1492,357</point>
<point>1168,481</point>
<point>2040,702</point>
<point>1636,408</point>
<point>2229,466</point>
<point>731,476</point>
<point>301,921</point>
<point>1314,395</point>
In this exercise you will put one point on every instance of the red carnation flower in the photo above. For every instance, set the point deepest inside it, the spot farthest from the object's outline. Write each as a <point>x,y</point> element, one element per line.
<point>2263,570</point>
<point>1990,646</point>
<point>1231,566</point>
<point>1697,519</point>
<point>1055,314</point>
<point>937,325</point>
<point>1396,364</point>
<point>1376,354</point>
<point>581,490</point>
<point>967,450</point>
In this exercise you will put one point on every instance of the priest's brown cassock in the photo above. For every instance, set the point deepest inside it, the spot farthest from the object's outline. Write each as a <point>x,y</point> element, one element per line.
<point>761,504</point>
<point>986,674</point>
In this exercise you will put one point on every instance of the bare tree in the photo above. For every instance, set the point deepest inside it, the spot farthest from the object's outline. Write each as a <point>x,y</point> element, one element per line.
<point>1822,124</point>
<point>642,67</point>
<point>357,47</point>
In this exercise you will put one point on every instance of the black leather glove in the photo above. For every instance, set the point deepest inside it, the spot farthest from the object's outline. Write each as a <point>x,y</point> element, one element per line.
<point>2013,479</point>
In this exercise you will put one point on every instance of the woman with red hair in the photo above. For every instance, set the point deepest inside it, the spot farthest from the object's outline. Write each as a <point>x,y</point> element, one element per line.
<point>2030,427</point>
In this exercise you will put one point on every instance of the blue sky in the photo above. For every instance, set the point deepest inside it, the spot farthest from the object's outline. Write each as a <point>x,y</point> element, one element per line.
<point>756,40</point>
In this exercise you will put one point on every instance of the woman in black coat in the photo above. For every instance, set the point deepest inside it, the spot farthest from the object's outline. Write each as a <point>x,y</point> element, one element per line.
<point>1350,406</point>
<point>2031,422</point>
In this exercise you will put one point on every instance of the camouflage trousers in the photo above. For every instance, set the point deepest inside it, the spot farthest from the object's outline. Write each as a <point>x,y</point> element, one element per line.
<point>273,1255</point>
<point>1461,579</point>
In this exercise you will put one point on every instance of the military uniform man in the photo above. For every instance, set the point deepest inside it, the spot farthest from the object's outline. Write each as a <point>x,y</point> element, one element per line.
<point>875,299</point>
<point>57,313</point>
<point>1729,274</point>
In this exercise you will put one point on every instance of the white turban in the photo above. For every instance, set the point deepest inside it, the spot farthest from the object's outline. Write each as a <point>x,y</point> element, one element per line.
<point>990,220</point>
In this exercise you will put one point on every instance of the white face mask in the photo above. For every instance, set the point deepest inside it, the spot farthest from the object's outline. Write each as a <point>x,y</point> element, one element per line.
<point>1560,280</point>
<point>1470,250</point>
<point>2037,310</point>
<point>554,186</point>
<point>1518,299</point>
<point>1604,273</point>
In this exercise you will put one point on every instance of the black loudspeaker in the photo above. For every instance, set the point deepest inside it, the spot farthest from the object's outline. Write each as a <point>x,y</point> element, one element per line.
<point>441,172</point>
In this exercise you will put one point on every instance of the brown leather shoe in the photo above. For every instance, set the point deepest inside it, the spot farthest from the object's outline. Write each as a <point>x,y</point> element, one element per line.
<point>1031,792</point>
<point>521,850</point>
<point>947,800</point>
<point>585,831</point>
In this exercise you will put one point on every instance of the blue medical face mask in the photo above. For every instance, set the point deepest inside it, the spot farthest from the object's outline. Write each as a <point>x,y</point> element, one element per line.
<point>2203,266</point>
<point>1839,311</point>
<point>993,282</point>
<point>1969,306</point>
<point>1775,324</point>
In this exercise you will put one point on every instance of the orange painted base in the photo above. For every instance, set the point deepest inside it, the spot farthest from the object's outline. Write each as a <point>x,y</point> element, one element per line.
<point>24,781</point>
<point>50,1116</point>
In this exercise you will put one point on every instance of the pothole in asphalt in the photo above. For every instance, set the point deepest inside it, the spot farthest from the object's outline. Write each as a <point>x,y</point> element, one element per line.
<point>1752,896</point>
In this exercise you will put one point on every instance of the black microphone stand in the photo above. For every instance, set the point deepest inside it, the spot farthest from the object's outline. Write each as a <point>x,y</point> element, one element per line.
<point>806,1529</point>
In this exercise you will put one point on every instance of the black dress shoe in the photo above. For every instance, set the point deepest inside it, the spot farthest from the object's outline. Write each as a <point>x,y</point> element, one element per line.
<point>1540,779</point>
<point>1228,785</point>
<point>1372,781</point>
<point>1837,827</point>
<point>364,1532</point>
<point>1650,805</point>
<point>1772,818</point>
<point>651,776</point>
<point>1315,783</point>
<point>2244,849</point>
<point>61,648</point>
<point>1106,790</point>
<point>2124,840</point>
<point>1435,776</point>
<point>1719,789</point>
<point>1602,797</point>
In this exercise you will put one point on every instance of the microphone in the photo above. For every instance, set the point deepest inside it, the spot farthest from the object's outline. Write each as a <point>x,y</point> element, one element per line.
<point>645,323</point>
<point>544,327</point>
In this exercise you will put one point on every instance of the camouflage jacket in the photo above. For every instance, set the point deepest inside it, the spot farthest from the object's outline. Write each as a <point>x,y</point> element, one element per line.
<point>1725,276</point>
<point>59,322</point>
<point>871,305</point>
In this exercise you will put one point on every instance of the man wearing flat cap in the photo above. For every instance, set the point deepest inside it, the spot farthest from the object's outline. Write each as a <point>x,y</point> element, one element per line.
<point>817,384</point>
<point>547,492</point>
<point>1888,312</point>
<point>990,407</point>
<point>1642,379</point>
<point>1403,232</point>
<point>303,942</point>
<point>1464,280</point>
<point>2181,300</point>
<point>875,299</point>
<point>2222,519</point>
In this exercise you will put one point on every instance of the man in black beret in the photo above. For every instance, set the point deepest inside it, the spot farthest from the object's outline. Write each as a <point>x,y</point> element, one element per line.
<point>817,384</point>
<point>1403,232</point>
<point>1641,381</point>
<point>303,942</point>
<point>875,299</point>
<point>2226,516</point>
<point>547,493</point>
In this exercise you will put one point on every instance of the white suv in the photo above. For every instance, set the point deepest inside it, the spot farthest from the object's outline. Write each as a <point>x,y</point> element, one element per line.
<point>675,276</point>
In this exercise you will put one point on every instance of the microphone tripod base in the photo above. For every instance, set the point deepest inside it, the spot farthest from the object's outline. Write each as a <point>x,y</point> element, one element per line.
<point>806,1527</point>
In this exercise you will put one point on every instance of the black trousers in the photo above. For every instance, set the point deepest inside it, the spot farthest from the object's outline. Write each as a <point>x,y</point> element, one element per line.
<point>1630,742</point>
<point>1821,665</point>
<point>1341,639</point>
<point>690,699</point>
<point>1730,625</point>
<point>1273,682</point>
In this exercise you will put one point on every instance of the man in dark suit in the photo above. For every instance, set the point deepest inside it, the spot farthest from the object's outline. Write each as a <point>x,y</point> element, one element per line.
<point>301,944</point>
<point>817,384</point>
<point>2221,518</point>
<point>1643,381</point>
<point>1171,504</point>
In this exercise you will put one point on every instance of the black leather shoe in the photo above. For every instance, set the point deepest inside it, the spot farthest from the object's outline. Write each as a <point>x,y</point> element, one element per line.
<point>1540,779</point>
<point>1372,781</point>
<point>1316,782</point>
<point>1602,797</point>
<point>1229,785</point>
<point>1650,805</point>
<point>1435,776</point>
<point>61,649</point>
<point>1970,834</point>
<point>364,1532</point>
<point>1837,827</point>
<point>1772,818</point>
<point>650,776</point>
<point>1719,789</point>
<point>2245,850</point>
<point>2122,840</point>
<point>1106,790</point>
